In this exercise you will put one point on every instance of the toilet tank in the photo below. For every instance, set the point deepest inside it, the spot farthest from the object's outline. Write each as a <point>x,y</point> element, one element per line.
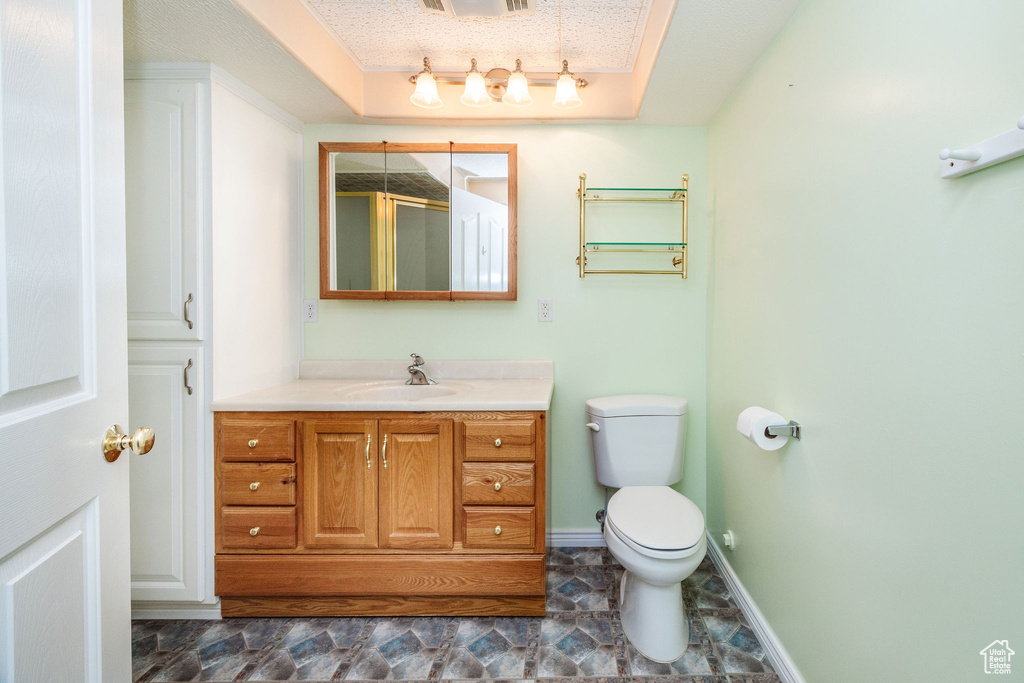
<point>638,440</point>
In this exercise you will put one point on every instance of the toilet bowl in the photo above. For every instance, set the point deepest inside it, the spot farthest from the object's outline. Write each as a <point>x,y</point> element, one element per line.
<point>657,535</point>
<point>655,532</point>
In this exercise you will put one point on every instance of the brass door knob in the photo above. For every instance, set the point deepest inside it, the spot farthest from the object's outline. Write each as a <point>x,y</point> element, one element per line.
<point>497,486</point>
<point>497,443</point>
<point>253,531</point>
<point>497,531</point>
<point>115,441</point>
<point>253,442</point>
<point>253,486</point>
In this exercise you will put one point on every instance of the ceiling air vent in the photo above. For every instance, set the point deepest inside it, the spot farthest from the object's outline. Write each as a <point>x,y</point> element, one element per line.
<point>433,6</point>
<point>477,8</point>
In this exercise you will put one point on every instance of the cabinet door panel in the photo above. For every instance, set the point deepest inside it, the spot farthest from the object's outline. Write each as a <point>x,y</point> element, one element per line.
<point>416,485</point>
<point>167,531</point>
<point>339,505</point>
<point>163,172</point>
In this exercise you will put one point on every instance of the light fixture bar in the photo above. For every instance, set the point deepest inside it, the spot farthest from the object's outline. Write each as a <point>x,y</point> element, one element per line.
<point>497,85</point>
<point>455,79</point>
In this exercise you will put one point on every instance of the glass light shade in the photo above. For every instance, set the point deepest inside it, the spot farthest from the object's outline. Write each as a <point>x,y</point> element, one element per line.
<point>475,94</point>
<point>566,96</point>
<point>426,92</point>
<point>517,94</point>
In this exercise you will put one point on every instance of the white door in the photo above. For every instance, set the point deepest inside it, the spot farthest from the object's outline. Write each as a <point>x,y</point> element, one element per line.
<point>64,577</point>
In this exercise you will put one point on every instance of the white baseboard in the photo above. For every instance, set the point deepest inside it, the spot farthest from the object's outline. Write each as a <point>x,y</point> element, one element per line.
<point>174,610</point>
<point>777,655</point>
<point>582,538</point>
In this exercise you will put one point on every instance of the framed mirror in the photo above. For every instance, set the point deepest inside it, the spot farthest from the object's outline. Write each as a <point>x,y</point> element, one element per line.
<point>417,221</point>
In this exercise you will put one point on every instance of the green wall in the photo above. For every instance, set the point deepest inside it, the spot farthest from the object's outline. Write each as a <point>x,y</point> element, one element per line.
<point>855,291</point>
<point>610,334</point>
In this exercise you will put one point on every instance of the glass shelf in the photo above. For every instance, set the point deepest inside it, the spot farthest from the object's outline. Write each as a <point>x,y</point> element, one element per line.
<point>674,247</point>
<point>635,194</point>
<point>636,189</point>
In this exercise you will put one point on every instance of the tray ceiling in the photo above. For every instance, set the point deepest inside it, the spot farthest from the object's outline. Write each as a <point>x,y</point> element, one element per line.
<point>707,49</point>
<point>594,35</point>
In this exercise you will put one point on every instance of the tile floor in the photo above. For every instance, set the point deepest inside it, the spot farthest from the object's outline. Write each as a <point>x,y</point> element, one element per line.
<point>580,639</point>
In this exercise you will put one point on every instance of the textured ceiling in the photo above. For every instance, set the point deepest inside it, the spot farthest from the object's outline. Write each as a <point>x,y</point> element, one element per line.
<point>594,35</point>
<point>216,31</point>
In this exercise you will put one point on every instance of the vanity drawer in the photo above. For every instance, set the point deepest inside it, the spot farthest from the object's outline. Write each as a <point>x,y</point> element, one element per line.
<point>261,440</point>
<point>257,528</point>
<point>254,483</point>
<point>497,483</point>
<point>498,527</point>
<point>499,439</point>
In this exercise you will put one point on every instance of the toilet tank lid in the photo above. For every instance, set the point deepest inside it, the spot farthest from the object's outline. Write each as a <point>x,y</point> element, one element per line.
<point>636,404</point>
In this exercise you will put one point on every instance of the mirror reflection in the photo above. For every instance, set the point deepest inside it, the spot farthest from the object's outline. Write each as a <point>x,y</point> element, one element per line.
<point>403,220</point>
<point>480,222</point>
<point>419,193</point>
<point>391,218</point>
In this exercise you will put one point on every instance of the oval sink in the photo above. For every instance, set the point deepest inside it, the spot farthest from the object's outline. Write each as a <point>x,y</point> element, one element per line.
<point>401,392</point>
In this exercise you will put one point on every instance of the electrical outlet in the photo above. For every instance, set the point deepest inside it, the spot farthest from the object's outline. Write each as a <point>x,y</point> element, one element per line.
<point>545,310</point>
<point>310,310</point>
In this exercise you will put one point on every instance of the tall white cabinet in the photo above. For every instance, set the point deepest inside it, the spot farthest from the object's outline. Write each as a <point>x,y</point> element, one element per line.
<point>167,161</point>
<point>190,131</point>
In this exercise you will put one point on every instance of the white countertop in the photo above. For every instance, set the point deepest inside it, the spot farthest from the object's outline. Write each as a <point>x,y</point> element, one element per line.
<point>380,386</point>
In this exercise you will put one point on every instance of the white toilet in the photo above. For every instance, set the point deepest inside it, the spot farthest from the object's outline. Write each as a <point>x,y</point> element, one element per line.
<point>656,533</point>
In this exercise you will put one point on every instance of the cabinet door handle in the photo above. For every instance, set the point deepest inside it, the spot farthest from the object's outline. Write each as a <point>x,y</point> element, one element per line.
<point>497,443</point>
<point>385,451</point>
<point>188,302</point>
<point>367,451</point>
<point>497,486</point>
<point>253,531</point>
<point>253,486</point>
<point>187,387</point>
<point>253,443</point>
<point>497,531</point>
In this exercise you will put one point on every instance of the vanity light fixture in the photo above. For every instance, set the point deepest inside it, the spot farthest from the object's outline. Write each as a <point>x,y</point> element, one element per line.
<point>425,94</point>
<point>566,96</point>
<point>498,84</point>
<point>517,94</point>
<point>475,94</point>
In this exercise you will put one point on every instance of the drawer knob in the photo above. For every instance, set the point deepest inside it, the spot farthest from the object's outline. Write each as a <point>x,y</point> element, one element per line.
<point>253,486</point>
<point>497,486</point>
<point>253,442</point>
<point>253,531</point>
<point>497,443</point>
<point>497,531</point>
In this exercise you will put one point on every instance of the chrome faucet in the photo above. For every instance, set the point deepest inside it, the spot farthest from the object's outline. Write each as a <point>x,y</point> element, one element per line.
<point>416,370</point>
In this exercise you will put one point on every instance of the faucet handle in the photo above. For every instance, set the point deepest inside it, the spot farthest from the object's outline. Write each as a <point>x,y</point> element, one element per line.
<point>416,360</point>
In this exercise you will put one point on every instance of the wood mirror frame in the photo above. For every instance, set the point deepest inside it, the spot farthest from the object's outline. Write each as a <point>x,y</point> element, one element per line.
<point>327,184</point>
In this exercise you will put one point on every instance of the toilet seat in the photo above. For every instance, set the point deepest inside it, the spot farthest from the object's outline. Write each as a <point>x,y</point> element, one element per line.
<point>655,521</point>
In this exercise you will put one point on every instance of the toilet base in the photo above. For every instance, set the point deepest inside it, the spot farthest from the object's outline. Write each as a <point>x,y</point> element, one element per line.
<point>653,618</point>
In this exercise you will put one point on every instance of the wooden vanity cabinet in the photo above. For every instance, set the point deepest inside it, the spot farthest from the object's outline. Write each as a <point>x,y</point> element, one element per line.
<point>380,513</point>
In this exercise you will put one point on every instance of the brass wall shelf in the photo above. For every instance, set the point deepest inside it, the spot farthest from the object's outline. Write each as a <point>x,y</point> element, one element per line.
<point>677,195</point>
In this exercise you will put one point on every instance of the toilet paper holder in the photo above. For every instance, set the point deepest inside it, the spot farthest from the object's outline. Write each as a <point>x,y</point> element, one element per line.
<point>792,429</point>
